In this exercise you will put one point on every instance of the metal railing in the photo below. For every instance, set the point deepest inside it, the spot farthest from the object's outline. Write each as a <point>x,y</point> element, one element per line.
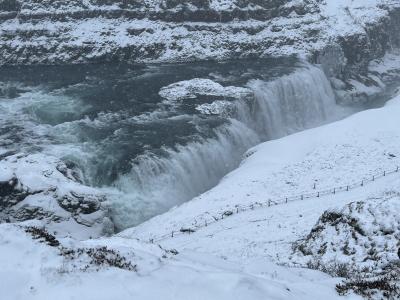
<point>280,201</point>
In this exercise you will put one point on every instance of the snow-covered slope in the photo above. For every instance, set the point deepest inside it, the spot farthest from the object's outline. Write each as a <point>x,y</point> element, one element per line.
<point>128,269</point>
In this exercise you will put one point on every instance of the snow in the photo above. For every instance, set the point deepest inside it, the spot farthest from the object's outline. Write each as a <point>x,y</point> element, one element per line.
<point>46,273</point>
<point>218,107</point>
<point>46,188</point>
<point>240,256</point>
<point>235,258</point>
<point>387,65</point>
<point>367,237</point>
<point>191,89</point>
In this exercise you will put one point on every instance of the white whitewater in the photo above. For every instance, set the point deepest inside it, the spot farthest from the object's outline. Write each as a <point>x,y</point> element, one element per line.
<point>291,103</point>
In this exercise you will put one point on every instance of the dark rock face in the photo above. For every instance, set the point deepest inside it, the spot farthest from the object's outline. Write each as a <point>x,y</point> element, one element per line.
<point>10,193</point>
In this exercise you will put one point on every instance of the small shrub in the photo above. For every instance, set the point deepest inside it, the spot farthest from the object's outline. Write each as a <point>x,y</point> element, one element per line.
<point>368,288</point>
<point>43,235</point>
<point>99,257</point>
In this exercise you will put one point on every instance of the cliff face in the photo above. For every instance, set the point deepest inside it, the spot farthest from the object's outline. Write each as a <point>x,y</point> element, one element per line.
<point>87,31</point>
<point>54,32</point>
<point>361,35</point>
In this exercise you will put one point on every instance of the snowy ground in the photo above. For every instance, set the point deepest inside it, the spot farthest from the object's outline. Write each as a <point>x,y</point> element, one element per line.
<point>235,258</point>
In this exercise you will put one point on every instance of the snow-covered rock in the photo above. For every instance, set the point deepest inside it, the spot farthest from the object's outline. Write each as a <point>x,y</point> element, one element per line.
<point>361,242</point>
<point>362,235</point>
<point>39,187</point>
<point>219,107</point>
<point>202,88</point>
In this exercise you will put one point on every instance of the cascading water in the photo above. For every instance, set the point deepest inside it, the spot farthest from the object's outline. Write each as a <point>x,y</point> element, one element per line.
<point>156,183</point>
<point>148,154</point>
<point>288,104</point>
<point>293,102</point>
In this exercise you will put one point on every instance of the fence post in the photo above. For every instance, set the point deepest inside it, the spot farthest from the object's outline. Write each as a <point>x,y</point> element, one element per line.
<point>334,191</point>
<point>205,223</point>
<point>315,185</point>
<point>347,189</point>
<point>373,178</point>
<point>286,200</point>
<point>384,173</point>
<point>237,209</point>
<point>318,195</point>
<point>269,203</point>
<point>362,183</point>
<point>302,197</point>
<point>172,234</point>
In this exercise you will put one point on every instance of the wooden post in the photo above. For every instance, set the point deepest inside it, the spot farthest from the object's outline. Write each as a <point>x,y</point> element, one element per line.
<point>347,189</point>
<point>172,234</point>
<point>286,200</point>
<point>334,191</point>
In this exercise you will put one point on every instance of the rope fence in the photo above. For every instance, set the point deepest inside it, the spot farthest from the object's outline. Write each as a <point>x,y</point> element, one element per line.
<point>243,208</point>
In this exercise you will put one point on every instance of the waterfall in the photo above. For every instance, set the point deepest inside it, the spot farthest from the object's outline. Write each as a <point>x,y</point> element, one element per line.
<point>289,104</point>
<point>156,183</point>
<point>285,105</point>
